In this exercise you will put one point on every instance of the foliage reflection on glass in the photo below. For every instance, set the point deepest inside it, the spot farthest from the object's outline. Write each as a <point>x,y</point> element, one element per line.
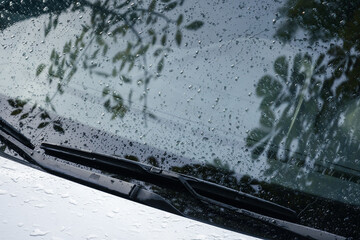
<point>110,23</point>
<point>309,110</point>
<point>148,27</point>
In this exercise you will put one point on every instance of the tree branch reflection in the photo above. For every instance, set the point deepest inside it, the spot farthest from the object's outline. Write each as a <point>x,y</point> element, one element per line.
<point>309,107</point>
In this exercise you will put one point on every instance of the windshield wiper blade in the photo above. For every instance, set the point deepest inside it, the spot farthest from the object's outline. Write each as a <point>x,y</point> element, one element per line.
<point>107,184</point>
<point>204,191</point>
<point>19,143</point>
<point>10,130</point>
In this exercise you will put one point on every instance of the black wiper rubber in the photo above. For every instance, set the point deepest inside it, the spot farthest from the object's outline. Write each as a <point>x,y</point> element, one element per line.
<point>204,191</point>
<point>10,130</point>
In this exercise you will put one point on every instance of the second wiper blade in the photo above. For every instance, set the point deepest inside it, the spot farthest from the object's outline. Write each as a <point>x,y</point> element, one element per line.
<point>10,130</point>
<point>204,191</point>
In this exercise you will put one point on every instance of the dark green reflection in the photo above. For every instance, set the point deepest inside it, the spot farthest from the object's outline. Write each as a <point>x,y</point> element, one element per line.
<point>310,108</point>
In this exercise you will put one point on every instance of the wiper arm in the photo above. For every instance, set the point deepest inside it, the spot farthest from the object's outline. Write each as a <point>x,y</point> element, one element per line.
<point>204,191</point>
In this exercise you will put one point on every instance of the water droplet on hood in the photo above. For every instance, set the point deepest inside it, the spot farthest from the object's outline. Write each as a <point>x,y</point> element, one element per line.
<point>3,192</point>
<point>37,232</point>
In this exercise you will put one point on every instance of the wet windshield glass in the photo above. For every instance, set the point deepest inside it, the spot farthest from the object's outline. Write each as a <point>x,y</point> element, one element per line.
<point>257,89</point>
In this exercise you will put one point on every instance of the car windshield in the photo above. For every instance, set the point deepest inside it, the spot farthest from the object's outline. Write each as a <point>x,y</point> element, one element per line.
<point>253,95</point>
